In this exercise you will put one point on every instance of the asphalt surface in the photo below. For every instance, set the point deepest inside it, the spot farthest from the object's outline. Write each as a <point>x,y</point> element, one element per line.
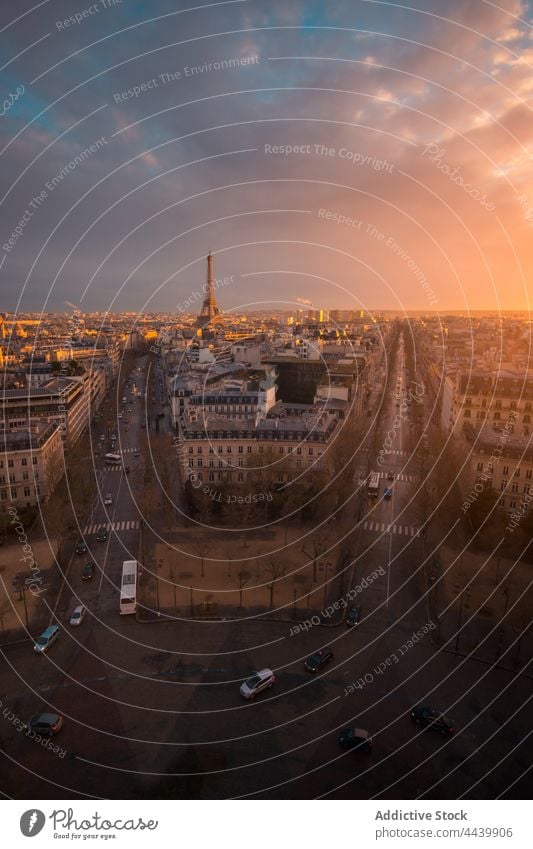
<point>153,710</point>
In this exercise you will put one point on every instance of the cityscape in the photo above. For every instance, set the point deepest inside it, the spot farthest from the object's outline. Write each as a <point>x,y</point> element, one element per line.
<point>266,387</point>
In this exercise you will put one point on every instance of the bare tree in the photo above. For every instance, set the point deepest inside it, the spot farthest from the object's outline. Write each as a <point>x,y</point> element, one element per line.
<point>243,578</point>
<point>276,570</point>
<point>319,545</point>
<point>202,548</point>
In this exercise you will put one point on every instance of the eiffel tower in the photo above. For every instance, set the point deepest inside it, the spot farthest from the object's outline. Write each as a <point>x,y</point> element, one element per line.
<point>210,309</point>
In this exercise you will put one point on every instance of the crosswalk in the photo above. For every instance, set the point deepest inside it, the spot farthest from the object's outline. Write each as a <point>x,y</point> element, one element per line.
<point>131,525</point>
<point>385,528</point>
<point>401,477</point>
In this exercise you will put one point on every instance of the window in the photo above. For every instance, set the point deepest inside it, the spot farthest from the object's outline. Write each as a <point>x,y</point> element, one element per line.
<point>249,449</point>
<point>512,504</point>
<point>527,419</point>
<point>199,463</point>
<point>505,470</point>
<point>517,473</point>
<point>240,461</point>
<point>514,487</point>
<point>191,449</point>
<point>503,486</point>
<point>497,417</point>
<point>526,489</point>
<point>27,491</point>
<point>13,493</point>
<point>467,414</point>
<point>10,463</point>
<point>24,461</point>
<point>241,476</point>
<point>480,467</point>
<point>219,449</point>
<point>211,476</point>
<point>199,449</point>
<point>299,450</point>
<point>501,502</point>
<point>25,476</point>
<point>529,473</point>
<point>241,449</point>
<point>228,449</point>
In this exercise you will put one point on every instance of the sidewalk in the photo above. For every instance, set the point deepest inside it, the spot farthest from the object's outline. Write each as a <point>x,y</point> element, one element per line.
<point>18,607</point>
<point>219,573</point>
<point>483,605</point>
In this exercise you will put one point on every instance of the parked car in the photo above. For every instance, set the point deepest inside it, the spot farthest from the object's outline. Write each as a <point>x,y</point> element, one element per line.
<point>318,660</point>
<point>136,454</point>
<point>77,616</point>
<point>101,536</point>
<point>390,476</point>
<point>45,724</point>
<point>353,616</point>
<point>81,548</point>
<point>257,682</point>
<point>431,717</point>
<point>356,738</point>
<point>388,492</point>
<point>88,571</point>
<point>47,639</point>
<point>108,499</point>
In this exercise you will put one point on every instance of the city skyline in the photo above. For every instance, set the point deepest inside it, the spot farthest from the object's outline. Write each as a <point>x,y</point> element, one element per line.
<point>387,176</point>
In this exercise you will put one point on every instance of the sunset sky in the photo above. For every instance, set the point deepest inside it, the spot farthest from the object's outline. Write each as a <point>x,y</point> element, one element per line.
<point>413,121</point>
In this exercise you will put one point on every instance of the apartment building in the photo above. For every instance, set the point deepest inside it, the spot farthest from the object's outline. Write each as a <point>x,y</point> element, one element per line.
<point>488,399</point>
<point>31,464</point>
<point>290,440</point>
<point>62,400</point>
<point>503,463</point>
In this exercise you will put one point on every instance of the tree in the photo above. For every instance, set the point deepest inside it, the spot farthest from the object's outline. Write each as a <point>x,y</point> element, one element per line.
<point>202,547</point>
<point>243,578</point>
<point>319,544</point>
<point>275,569</point>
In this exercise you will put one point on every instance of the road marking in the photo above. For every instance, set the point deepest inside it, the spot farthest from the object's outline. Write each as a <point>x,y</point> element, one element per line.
<point>382,527</point>
<point>124,525</point>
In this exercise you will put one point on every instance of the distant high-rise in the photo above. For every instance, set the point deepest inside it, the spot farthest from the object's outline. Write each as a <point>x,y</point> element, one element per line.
<point>210,309</point>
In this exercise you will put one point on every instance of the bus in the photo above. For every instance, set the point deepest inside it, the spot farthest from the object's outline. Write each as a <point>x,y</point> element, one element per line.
<point>373,484</point>
<point>128,587</point>
<point>113,459</point>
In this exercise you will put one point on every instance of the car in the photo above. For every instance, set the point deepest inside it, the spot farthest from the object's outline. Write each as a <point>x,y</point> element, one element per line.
<point>136,454</point>
<point>101,536</point>
<point>355,738</point>
<point>126,470</point>
<point>81,548</point>
<point>388,492</point>
<point>108,499</point>
<point>258,681</point>
<point>124,399</point>
<point>47,639</point>
<point>353,617</point>
<point>87,572</point>
<point>318,660</point>
<point>431,717</point>
<point>45,724</point>
<point>120,415</point>
<point>77,616</point>
<point>390,476</point>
